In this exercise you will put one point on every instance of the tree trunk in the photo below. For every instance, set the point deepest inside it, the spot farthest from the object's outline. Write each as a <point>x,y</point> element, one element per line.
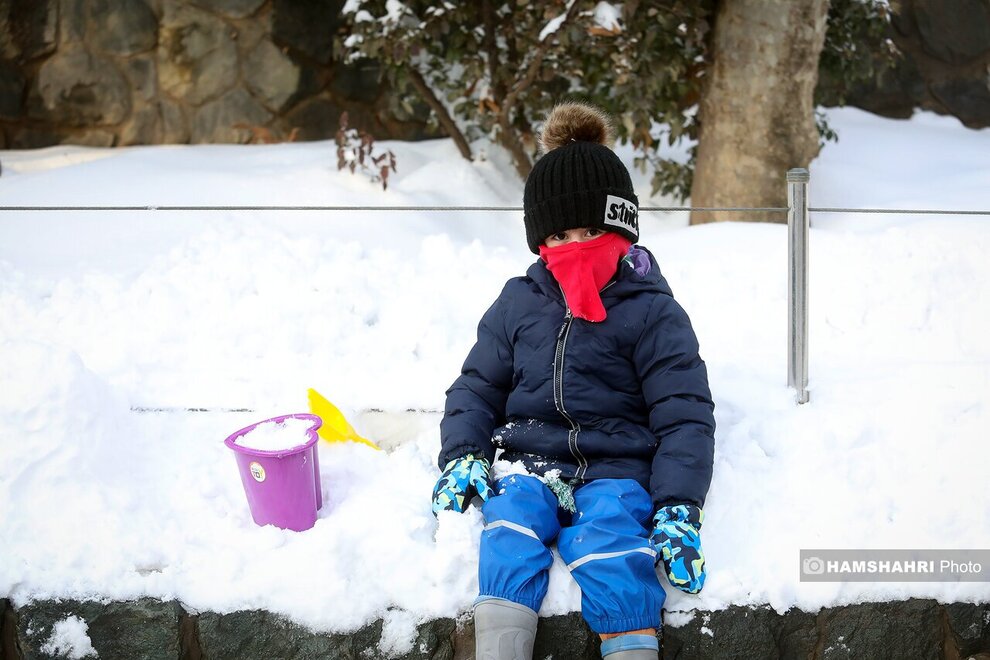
<point>757,112</point>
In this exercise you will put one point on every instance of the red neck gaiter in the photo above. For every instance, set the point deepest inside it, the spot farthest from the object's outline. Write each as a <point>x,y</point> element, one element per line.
<point>582,269</point>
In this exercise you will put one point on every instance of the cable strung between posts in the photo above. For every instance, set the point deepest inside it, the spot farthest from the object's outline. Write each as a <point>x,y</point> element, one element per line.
<point>181,409</point>
<point>669,209</point>
<point>901,211</point>
<point>774,209</point>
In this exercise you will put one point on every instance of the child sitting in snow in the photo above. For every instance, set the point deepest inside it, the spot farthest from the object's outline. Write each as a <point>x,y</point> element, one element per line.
<point>587,371</point>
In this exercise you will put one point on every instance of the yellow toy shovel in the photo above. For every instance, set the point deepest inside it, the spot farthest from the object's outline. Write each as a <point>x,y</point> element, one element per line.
<point>335,428</point>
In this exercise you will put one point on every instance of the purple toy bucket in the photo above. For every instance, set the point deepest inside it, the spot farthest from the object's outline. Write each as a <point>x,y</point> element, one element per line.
<point>282,487</point>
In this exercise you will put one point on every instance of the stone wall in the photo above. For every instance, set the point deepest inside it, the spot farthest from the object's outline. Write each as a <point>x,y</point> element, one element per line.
<point>946,63</point>
<point>912,629</point>
<point>123,72</point>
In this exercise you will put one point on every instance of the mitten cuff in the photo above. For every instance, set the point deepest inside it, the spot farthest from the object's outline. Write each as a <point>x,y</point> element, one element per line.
<point>685,513</point>
<point>467,458</point>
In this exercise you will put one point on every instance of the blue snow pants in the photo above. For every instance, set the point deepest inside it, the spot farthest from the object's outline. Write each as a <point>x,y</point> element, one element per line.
<point>604,544</point>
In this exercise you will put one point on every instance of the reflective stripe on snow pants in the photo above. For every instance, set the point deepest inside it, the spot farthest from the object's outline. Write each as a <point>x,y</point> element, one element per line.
<point>521,520</point>
<point>606,549</point>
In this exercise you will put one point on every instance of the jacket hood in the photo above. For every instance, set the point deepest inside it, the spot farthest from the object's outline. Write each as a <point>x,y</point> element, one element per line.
<point>629,279</point>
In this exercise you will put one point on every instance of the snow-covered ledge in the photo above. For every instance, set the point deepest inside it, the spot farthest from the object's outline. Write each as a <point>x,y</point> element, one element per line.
<point>151,629</point>
<point>118,332</point>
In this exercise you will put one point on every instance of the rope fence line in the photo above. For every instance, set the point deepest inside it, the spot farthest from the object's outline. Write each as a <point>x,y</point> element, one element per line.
<point>517,209</point>
<point>184,409</point>
<point>181,409</point>
<point>813,209</point>
<point>798,222</point>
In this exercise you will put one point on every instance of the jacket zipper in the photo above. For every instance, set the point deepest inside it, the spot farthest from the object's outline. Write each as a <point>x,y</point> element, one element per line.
<point>558,395</point>
<point>558,388</point>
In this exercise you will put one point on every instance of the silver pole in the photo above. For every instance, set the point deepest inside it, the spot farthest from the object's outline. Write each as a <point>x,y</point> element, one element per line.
<point>797,291</point>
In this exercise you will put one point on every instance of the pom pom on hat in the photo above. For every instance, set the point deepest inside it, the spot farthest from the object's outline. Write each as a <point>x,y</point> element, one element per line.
<point>579,181</point>
<point>575,122</point>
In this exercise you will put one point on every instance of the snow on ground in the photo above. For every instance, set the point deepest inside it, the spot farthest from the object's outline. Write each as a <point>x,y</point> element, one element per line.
<point>105,312</point>
<point>69,639</point>
<point>277,435</point>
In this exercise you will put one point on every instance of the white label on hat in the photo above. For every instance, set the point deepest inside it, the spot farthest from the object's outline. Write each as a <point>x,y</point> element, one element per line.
<point>622,213</point>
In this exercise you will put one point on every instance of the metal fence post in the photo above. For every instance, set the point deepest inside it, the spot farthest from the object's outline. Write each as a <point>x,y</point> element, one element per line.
<point>797,290</point>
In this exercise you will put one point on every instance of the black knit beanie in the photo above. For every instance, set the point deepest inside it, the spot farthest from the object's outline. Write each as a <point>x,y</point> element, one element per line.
<point>579,182</point>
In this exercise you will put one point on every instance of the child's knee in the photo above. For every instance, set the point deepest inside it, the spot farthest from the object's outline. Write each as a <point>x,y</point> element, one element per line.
<point>523,503</point>
<point>614,499</point>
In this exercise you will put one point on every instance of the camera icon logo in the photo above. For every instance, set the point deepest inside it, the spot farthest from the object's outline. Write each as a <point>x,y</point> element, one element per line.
<point>812,566</point>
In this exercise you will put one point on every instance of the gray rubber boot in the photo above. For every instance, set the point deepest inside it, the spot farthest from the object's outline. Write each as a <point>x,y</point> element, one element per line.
<point>503,630</point>
<point>631,647</point>
<point>635,654</point>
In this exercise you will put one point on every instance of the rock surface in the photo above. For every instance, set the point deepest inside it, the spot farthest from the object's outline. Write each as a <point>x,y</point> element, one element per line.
<point>954,32</point>
<point>137,629</point>
<point>945,66</point>
<point>256,635</point>
<point>229,118</point>
<point>232,8</point>
<point>970,628</point>
<point>121,72</point>
<point>315,118</point>
<point>150,629</point>
<point>175,124</point>
<point>72,21</point>
<point>197,55</point>
<point>875,630</point>
<point>122,27</point>
<point>12,86</point>
<point>33,28</point>
<point>306,26</point>
<point>144,126</point>
<point>271,75</point>
<point>7,635</point>
<point>78,88</point>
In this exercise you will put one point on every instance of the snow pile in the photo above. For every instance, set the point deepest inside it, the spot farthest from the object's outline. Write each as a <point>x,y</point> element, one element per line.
<point>398,633</point>
<point>108,314</point>
<point>608,17</point>
<point>554,23</point>
<point>276,436</point>
<point>70,639</point>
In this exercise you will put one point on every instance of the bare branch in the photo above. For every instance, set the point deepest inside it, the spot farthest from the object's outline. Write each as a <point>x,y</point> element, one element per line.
<point>489,45</point>
<point>446,121</point>
<point>537,61</point>
<point>509,135</point>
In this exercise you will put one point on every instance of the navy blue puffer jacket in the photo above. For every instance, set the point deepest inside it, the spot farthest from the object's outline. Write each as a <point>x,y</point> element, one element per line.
<point>624,398</point>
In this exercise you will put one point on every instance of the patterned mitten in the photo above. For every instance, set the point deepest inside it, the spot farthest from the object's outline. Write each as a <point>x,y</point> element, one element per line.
<point>677,538</point>
<point>460,481</point>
